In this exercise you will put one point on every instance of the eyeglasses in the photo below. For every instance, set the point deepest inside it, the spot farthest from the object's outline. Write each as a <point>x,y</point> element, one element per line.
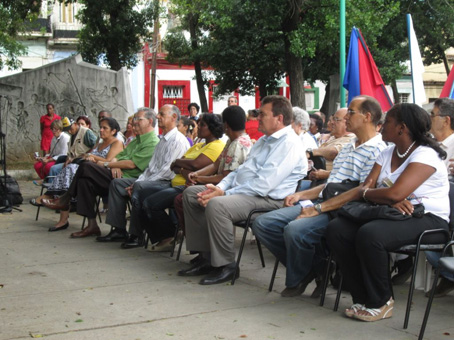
<point>136,119</point>
<point>433,115</point>
<point>337,119</point>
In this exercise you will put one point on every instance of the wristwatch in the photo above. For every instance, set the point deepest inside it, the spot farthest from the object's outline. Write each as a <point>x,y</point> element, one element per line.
<point>106,165</point>
<point>318,207</point>
<point>309,151</point>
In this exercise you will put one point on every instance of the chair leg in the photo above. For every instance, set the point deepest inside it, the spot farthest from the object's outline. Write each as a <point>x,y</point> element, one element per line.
<point>174,242</point>
<point>259,247</point>
<point>97,209</point>
<point>326,280</point>
<point>339,291</point>
<point>37,214</point>
<point>429,305</point>
<point>276,264</point>
<point>179,249</point>
<point>240,252</point>
<point>411,290</point>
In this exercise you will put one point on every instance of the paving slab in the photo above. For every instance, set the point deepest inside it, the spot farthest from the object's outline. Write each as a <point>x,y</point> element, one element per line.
<point>55,287</point>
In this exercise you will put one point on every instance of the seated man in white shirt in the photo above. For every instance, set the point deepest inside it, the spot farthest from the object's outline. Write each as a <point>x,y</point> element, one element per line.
<point>270,173</point>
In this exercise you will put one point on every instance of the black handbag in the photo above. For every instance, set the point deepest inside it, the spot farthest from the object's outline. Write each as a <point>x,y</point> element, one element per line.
<point>334,189</point>
<point>61,159</point>
<point>363,212</point>
<point>78,160</point>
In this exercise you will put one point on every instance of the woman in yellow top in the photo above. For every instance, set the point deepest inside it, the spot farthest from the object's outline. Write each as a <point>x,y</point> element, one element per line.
<point>159,226</point>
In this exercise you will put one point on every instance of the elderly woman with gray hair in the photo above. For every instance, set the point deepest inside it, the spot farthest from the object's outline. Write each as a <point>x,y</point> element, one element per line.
<point>300,124</point>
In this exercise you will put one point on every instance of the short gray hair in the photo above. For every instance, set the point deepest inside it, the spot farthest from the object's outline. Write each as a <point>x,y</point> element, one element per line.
<point>176,110</point>
<point>446,107</point>
<point>148,113</point>
<point>300,116</point>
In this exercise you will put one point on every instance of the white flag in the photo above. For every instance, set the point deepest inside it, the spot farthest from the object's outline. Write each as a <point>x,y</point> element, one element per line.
<point>417,67</point>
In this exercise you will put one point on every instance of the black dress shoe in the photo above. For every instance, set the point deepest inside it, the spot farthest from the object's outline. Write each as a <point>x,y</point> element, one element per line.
<point>115,235</point>
<point>132,242</point>
<point>195,259</point>
<point>63,227</point>
<point>201,267</point>
<point>36,204</point>
<point>222,274</point>
<point>300,287</point>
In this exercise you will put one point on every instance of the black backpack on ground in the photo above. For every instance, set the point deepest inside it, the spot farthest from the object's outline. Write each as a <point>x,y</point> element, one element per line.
<point>9,192</point>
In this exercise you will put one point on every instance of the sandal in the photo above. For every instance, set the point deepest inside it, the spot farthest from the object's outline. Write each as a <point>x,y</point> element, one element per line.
<point>349,312</point>
<point>375,314</point>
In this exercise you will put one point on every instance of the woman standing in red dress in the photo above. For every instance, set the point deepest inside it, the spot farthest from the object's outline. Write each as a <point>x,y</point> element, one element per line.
<point>46,132</point>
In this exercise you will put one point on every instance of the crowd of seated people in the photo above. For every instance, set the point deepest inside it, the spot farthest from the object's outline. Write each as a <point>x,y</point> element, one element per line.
<point>154,219</point>
<point>104,151</point>
<point>213,186</point>
<point>409,172</point>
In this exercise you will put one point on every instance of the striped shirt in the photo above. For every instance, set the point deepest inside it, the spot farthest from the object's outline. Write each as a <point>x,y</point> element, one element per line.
<point>355,163</point>
<point>172,145</point>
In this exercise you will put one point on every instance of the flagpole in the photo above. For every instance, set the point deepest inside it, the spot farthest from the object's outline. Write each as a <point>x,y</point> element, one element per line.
<point>342,52</point>
<point>411,59</point>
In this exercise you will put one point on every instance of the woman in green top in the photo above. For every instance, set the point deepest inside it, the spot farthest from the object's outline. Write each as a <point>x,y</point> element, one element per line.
<point>161,229</point>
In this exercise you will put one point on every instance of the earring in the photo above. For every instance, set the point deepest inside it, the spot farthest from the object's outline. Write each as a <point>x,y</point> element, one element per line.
<point>400,132</point>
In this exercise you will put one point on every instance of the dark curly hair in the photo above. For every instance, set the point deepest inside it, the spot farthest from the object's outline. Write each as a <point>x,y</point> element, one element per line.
<point>195,105</point>
<point>418,123</point>
<point>214,122</point>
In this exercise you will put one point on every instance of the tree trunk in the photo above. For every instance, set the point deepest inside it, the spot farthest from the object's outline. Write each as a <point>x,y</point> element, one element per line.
<point>114,60</point>
<point>294,64</point>
<point>262,89</point>
<point>193,22</point>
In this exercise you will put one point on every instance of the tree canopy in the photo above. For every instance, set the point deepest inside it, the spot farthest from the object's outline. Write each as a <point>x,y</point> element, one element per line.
<point>15,19</point>
<point>114,31</point>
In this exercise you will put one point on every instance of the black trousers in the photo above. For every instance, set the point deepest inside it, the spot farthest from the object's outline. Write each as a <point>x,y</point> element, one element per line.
<point>90,181</point>
<point>362,252</point>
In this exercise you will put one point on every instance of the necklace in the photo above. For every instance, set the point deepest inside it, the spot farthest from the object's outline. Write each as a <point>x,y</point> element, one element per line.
<point>406,152</point>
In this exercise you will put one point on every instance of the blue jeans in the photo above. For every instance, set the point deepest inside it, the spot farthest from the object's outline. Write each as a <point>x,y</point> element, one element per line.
<point>292,241</point>
<point>55,170</point>
<point>433,258</point>
<point>160,225</point>
<point>141,191</point>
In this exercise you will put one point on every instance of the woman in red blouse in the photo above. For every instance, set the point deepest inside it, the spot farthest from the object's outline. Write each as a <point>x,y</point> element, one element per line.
<point>46,132</point>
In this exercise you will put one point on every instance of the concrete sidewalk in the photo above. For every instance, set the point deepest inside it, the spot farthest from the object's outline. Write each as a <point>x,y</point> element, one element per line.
<point>59,288</point>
